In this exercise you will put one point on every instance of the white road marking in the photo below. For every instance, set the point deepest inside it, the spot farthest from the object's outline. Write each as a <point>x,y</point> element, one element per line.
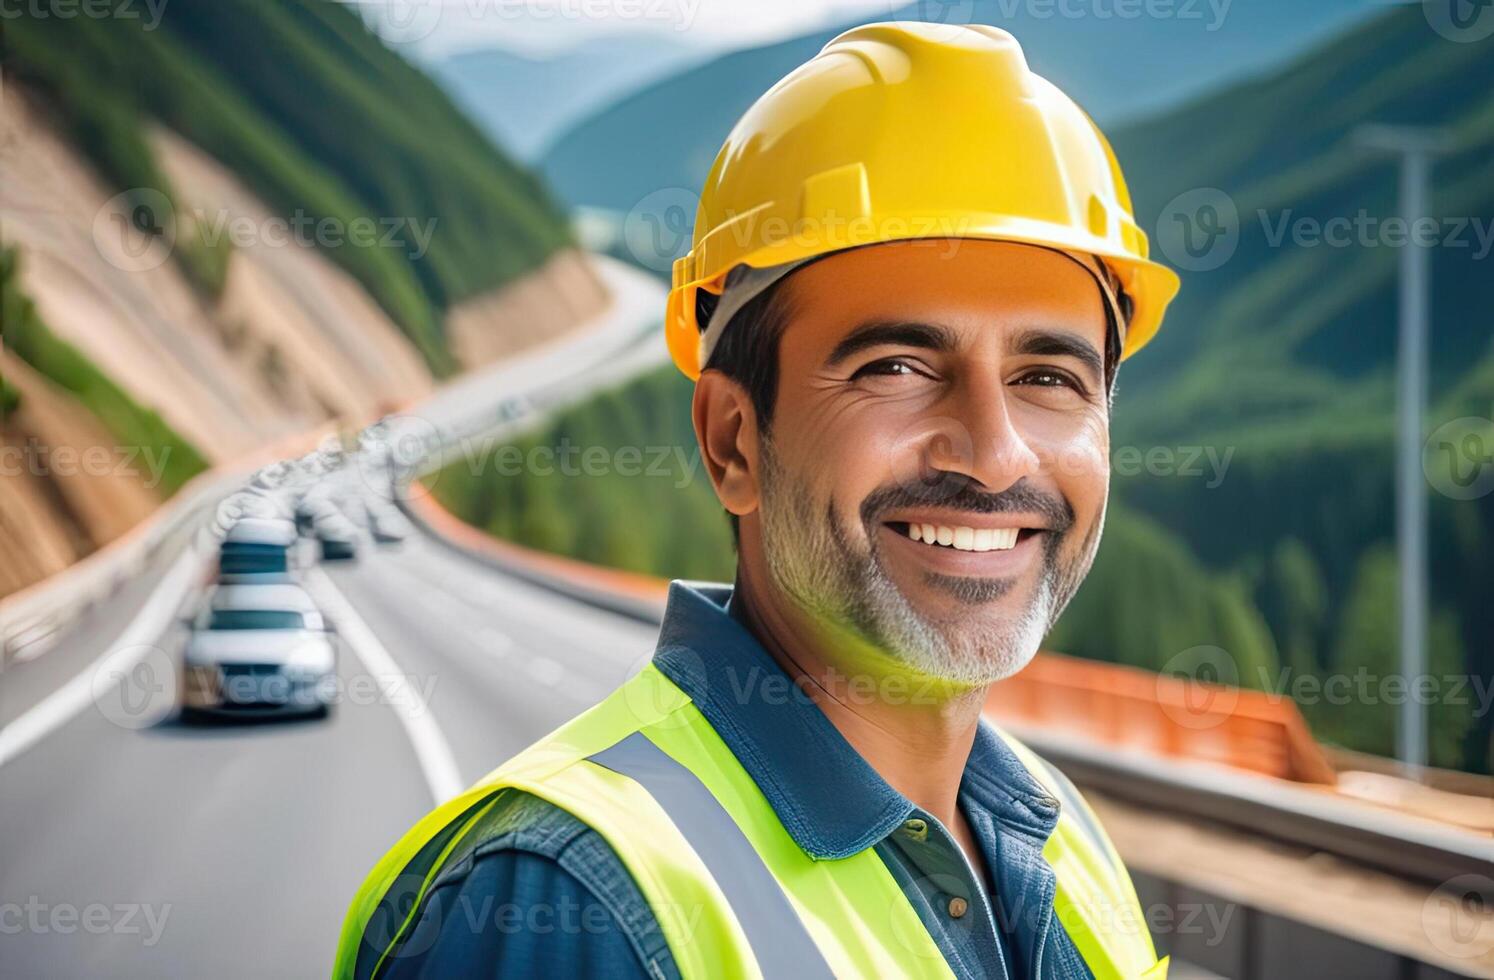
<point>437,762</point>
<point>134,643</point>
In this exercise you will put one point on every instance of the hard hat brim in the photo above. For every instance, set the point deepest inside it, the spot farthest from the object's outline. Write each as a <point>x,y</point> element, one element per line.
<point>1150,285</point>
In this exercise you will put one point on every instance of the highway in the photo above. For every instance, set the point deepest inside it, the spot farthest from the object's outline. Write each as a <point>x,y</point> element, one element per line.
<point>241,845</point>
<point>132,845</point>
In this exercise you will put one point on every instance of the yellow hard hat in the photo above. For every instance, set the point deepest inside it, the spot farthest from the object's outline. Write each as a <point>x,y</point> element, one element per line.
<point>911,130</point>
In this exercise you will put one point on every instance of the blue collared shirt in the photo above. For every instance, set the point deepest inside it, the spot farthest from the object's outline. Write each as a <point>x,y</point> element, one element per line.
<point>533,891</point>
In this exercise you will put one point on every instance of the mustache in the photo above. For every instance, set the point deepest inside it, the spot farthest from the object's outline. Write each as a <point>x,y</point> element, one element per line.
<point>957,491</point>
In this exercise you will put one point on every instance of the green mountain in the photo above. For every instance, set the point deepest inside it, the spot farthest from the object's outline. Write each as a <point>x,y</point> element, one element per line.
<point>1283,352</point>
<point>1252,440</point>
<point>334,125</point>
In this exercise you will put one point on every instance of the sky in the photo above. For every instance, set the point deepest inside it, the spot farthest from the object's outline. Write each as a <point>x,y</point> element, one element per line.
<point>430,30</point>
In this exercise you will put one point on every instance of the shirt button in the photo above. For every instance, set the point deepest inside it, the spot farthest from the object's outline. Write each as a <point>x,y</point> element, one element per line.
<point>957,907</point>
<point>916,829</point>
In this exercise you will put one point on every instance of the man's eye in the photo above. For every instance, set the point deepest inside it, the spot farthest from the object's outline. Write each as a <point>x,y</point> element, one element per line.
<point>1047,379</point>
<point>886,366</point>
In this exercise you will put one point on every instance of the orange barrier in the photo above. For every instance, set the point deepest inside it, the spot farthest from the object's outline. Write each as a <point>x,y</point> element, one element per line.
<point>1108,703</point>
<point>1170,716</point>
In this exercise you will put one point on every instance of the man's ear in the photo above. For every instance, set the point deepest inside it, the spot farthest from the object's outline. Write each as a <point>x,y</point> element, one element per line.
<point>726,428</point>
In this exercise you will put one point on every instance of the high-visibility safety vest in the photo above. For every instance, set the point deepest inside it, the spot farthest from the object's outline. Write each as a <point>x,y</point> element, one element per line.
<point>734,895</point>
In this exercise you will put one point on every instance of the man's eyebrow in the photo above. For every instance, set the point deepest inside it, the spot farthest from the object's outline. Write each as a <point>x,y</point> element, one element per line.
<point>1053,343</point>
<point>906,333</point>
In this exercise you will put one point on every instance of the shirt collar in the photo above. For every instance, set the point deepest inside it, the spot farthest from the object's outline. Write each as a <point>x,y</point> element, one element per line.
<point>831,801</point>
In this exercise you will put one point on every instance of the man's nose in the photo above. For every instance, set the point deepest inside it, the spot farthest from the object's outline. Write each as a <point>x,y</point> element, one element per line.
<point>983,440</point>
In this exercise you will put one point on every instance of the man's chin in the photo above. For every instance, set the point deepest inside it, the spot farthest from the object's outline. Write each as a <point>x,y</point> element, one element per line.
<point>950,632</point>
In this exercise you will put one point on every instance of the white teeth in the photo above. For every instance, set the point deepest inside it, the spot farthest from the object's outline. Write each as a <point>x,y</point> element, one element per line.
<point>965,538</point>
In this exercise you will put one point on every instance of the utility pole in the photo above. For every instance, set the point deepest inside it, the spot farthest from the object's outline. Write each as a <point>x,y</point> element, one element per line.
<point>1416,147</point>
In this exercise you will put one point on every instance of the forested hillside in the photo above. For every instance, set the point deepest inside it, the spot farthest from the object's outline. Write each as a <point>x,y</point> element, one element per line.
<point>319,118</point>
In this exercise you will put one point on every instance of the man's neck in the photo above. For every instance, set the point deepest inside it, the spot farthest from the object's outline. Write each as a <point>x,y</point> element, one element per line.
<point>917,736</point>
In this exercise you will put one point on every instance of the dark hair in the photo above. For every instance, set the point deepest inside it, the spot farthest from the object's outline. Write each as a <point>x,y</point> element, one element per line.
<point>747,350</point>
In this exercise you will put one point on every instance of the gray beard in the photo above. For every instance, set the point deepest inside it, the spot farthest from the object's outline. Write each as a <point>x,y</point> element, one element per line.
<point>812,560</point>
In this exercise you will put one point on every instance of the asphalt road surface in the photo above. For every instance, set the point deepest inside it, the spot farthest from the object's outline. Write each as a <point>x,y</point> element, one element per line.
<point>229,850</point>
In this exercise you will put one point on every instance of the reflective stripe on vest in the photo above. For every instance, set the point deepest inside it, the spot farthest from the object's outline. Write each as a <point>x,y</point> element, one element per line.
<point>779,942</point>
<point>647,771</point>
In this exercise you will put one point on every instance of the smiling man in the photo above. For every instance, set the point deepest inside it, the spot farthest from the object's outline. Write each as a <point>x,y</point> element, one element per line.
<point>914,273</point>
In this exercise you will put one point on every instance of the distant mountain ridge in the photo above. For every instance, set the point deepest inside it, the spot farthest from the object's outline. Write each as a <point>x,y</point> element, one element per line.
<point>524,101</point>
<point>667,134</point>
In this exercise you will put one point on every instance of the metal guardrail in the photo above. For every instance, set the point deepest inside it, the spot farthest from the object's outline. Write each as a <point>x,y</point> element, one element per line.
<point>1408,847</point>
<point>31,619</point>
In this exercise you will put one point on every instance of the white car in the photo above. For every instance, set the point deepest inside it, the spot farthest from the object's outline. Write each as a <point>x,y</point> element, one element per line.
<point>258,550</point>
<point>259,650</point>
